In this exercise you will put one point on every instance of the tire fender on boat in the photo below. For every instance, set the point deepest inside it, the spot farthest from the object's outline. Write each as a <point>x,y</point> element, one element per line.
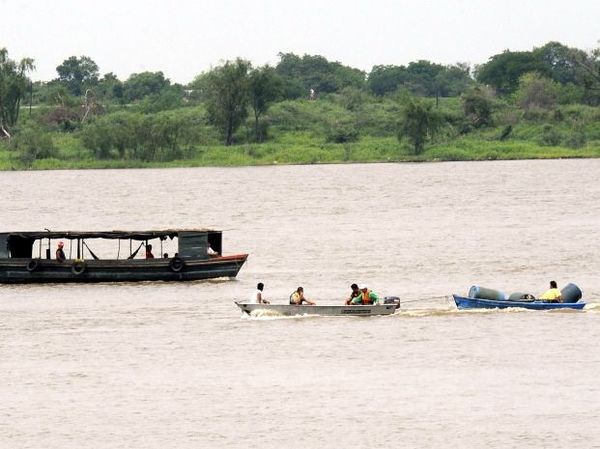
<point>32,265</point>
<point>176,264</point>
<point>78,267</point>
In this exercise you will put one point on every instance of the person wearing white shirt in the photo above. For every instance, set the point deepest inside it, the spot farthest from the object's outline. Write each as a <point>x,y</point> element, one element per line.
<point>258,297</point>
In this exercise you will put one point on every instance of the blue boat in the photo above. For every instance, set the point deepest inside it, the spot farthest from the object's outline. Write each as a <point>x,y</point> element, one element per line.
<point>480,303</point>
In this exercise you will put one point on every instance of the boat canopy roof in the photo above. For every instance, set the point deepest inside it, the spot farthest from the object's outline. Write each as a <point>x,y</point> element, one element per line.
<point>123,235</point>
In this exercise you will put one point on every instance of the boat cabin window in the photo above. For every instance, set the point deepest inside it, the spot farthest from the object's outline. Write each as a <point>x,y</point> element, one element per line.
<point>195,244</point>
<point>215,241</point>
<point>20,247</point>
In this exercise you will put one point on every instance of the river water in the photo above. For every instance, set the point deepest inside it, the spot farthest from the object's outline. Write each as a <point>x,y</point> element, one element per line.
<point>163,365</point>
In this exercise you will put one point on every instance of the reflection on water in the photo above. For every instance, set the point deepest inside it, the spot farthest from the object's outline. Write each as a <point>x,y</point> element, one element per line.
<point>176,365</point>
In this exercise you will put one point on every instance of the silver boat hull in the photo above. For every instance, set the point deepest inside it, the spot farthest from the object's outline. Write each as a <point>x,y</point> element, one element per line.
<point>322,310</point>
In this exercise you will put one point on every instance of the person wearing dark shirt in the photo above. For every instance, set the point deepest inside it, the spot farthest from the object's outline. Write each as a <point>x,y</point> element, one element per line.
<point>60,254</point>
<point>149,254</point>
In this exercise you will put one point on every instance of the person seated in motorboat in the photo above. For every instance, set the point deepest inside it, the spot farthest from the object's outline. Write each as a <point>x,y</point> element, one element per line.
<point>297,298</point>
<point>257,297</point>
<point>367,297</point>
<point>60,254</point>
<point>553,294</point>
<point>355,293</point>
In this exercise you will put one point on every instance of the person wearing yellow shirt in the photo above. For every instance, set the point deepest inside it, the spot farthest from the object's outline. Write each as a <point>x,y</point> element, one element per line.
<point>553,294</point>
<point>297,298</point>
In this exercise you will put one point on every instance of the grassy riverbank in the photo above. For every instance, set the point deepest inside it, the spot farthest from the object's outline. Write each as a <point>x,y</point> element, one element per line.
<point>299,132</point>
<point>302,149</point>
<point>368,150</point>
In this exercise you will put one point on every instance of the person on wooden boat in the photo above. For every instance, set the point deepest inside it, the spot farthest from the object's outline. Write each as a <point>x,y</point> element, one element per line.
<point>60,254</point>
<point>553,294</point>
<point>297,298</point>
<point>257,297</point>
<point>149,254</point>
<point>355,294</point>
<point>367,297</point>
<point>212,252</point>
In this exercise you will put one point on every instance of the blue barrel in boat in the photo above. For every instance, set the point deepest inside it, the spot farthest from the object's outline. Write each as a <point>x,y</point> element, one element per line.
<point>486,293</point>
<point>571,293</point>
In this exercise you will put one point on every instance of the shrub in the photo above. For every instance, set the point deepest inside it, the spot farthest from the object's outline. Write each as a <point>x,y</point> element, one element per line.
<point>419,124</point>
<point>576,139</point>
<point>31,144</point>
<point>550,136</point>
<point>477,107</point>
<point>536,91</point>
<point>342,132</point>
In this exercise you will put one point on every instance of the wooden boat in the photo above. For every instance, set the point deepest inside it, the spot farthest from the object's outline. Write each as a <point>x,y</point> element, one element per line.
<point>19,262</point>
<point>322,310</point>
<point>480,303</point>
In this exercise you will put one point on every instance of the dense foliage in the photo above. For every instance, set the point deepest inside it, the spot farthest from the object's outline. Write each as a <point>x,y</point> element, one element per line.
<point>13,86</point>
<point>538,103</point>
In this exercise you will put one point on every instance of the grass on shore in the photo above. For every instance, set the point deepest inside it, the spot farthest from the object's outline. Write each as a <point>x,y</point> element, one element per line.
<point>304,149</point>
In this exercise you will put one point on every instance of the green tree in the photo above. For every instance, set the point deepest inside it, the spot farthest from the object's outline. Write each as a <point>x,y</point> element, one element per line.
<point>562,63</point>
<point>504,70</point>
<point>13,86</point>
<point>591,81</point>
<point>110,87</point>
<point>419,124</point>
<point>265,87</point>
<point>78,74</point>
<point>536,91</point>
<point>227,96</point>
<point>199,87</point>
<point>385,79</point>
<point>315,72</point>
<point>477,106</point>
<point>422,78</point>
<point>453,80</point>
<point>140,85</point>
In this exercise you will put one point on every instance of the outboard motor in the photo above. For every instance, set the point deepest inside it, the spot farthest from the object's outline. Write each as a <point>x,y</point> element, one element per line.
<point>571,293</point>
<point>392,300</point>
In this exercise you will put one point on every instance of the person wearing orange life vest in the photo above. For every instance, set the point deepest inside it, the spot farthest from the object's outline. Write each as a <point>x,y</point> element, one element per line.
<point>367,297</point>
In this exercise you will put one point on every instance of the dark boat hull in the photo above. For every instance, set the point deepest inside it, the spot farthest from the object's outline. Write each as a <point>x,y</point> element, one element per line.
<point>477,303</point>
<point>25,271</point>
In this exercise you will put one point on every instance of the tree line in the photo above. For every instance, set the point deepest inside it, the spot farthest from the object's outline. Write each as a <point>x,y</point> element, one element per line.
<point>130,118</point>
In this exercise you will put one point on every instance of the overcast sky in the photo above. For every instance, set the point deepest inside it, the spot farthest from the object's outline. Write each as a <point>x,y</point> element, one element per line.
<point>184,38</point>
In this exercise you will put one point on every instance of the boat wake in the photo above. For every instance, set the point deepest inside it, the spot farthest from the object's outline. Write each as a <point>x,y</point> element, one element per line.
<point>266,315</point>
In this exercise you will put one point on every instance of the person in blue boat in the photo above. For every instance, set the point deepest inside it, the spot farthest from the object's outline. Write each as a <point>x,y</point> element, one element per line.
<point>297,298</point>
<point>366,297</point>
<point>553,294</point>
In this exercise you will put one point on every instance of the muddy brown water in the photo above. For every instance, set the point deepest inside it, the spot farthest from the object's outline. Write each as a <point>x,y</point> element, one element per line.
<point>156,365</point>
